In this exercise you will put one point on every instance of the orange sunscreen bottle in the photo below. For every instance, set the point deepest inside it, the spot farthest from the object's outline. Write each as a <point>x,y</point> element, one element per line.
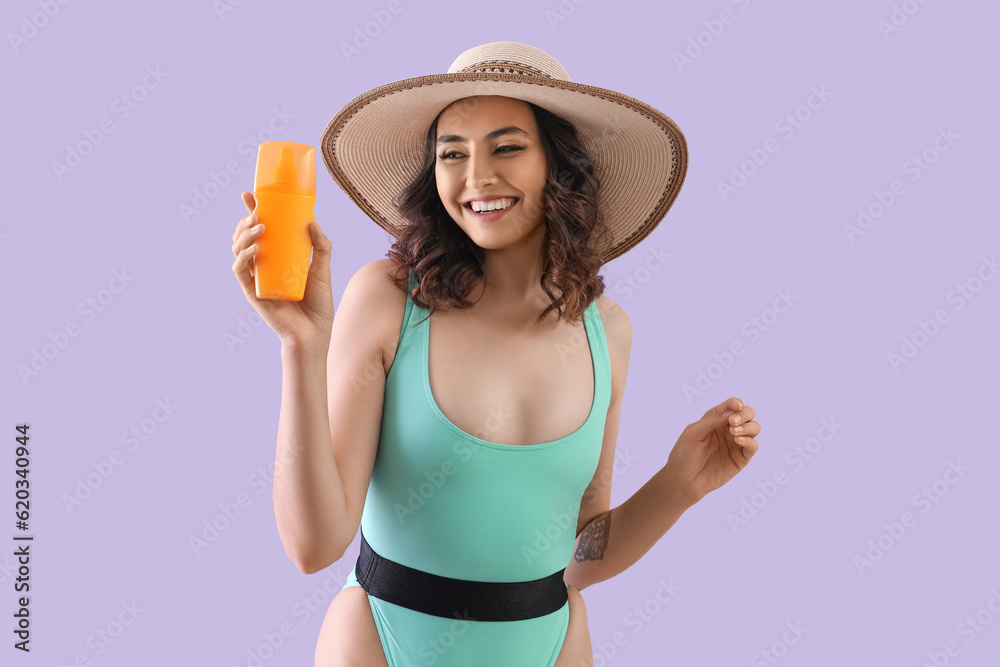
<point>285,190</point>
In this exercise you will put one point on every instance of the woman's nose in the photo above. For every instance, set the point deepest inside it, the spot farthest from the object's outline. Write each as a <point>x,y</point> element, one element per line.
<point>481,170</point>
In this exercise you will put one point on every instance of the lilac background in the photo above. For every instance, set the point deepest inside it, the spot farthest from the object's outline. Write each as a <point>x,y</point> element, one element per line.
<point>167,336</point>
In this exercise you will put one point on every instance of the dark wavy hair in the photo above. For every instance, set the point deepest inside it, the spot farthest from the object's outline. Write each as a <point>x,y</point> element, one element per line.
<point>447,263</point>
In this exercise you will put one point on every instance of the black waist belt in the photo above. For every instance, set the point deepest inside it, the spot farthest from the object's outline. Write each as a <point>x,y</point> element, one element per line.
<point>457,598</point>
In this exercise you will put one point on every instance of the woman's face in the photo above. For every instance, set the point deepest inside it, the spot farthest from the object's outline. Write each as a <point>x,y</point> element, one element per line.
<point>473,162</point>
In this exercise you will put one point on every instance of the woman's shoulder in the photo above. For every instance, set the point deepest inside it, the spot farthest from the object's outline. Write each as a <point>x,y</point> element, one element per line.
<point>379,280</point>
<point>384,300</point>
<point>618,333</point>
<point>616,321</point>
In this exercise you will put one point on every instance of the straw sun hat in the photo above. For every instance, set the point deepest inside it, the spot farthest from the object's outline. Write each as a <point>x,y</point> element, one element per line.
<point>374,146</point>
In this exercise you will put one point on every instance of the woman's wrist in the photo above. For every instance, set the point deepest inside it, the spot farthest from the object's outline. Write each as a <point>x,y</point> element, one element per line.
<point>680,495</point>
<point>314,347</point>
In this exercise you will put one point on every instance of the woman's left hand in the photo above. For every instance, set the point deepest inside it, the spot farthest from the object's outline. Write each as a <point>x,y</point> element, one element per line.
<point>713,449</point>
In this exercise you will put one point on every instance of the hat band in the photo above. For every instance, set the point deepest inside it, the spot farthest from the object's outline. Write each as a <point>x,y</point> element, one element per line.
<point>505,67</point>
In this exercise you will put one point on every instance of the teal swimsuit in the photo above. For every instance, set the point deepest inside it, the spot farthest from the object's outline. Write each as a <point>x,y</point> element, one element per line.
<point>452,504</point>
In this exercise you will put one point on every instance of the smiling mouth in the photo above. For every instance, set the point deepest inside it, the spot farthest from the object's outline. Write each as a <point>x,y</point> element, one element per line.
<point>511,205</point>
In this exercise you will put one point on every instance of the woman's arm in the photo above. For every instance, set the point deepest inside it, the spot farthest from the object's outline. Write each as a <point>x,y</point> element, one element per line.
<point>331,412</point>
<point>308,496</point>
<point>708,453</point>
<point>614,540</point>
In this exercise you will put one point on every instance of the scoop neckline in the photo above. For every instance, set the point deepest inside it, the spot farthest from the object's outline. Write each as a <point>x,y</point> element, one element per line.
<point>588,326</point>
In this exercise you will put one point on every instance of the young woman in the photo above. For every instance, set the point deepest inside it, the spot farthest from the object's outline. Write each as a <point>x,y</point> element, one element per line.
<point>477,462</point>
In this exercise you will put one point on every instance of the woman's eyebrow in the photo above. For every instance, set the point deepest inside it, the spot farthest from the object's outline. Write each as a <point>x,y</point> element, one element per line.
<point>454,138</point>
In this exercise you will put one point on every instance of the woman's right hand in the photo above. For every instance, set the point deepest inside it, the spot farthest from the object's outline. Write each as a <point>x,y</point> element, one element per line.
<point>305,322</point>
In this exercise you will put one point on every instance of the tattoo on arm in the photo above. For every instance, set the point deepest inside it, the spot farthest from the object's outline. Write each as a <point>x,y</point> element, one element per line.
<point>594,538</point>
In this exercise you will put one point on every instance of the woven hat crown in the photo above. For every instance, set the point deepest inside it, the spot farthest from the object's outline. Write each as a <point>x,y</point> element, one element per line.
<point>509,58</point>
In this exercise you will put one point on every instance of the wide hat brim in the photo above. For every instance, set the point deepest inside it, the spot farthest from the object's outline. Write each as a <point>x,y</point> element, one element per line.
<point>374,146</point>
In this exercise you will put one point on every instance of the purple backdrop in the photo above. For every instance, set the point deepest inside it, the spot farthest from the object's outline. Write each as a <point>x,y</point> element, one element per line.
<point>835,222</point>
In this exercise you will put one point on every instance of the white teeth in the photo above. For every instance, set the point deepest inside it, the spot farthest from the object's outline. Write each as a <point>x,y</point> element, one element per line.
<point>494,205</point>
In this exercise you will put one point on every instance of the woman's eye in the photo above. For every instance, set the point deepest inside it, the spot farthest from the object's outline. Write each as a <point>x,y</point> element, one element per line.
<point>511,149</point>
